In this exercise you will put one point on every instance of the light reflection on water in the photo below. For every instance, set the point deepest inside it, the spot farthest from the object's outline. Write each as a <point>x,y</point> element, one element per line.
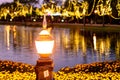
<point>72,46</point>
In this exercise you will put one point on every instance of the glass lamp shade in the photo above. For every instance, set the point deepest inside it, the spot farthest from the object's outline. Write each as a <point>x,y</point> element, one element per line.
<point>44,44</point>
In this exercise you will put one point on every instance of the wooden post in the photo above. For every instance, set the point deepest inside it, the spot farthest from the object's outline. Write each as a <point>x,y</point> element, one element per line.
<point>44,69</point>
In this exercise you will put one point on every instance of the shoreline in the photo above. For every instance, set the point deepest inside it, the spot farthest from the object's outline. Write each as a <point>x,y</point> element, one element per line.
<point>91,27</point>
<point>57,24</point>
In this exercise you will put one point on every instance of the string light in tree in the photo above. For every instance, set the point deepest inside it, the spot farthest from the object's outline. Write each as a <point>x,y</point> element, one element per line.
<point>104,8</point>
<point>118,7</point>
<point>69,8</point>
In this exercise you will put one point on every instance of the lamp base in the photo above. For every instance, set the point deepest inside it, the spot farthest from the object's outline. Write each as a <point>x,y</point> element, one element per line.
<point>44,56</point>
<point>44,68</point>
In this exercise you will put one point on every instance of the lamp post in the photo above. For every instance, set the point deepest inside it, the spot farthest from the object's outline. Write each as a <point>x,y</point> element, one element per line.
<point>44,45</point>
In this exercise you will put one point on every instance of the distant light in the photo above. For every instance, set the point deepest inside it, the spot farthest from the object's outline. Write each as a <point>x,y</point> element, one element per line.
<point>62,20</point>
<point>10,19</point>
<point>34,20</point>
<point>7,11</point>
<point>41,17</point>
<point>54,14</point>
<point>95,11</point>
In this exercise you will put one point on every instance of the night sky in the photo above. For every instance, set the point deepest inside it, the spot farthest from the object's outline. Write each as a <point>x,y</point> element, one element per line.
<point>4,1</point>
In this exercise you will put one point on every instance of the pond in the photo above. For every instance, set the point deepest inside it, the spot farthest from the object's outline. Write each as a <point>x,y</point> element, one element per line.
<point>72,45</point>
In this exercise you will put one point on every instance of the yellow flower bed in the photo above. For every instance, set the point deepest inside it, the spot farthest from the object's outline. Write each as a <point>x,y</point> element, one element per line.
<point>95,71</point>
<point>87,76</point>
<point>15,66</point>
<point>17,76</point>
<point>70,76</point>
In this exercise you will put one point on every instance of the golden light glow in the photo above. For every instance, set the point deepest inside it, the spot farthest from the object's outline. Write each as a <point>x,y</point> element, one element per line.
<point>7,36</point>
<point>83,46</point>
<point>118,7</point>
<point>70,8</point>
<point>14,36</point>
<point>66,41</point>
<point>117,49</point>
<point>44,32</point>
<point>44,47</point>
<point>94,41</point>
<point>44,43</point>
<point>107,46</point>
<point>76,40</point>
<point>95,11</point>
<point>102,49</point>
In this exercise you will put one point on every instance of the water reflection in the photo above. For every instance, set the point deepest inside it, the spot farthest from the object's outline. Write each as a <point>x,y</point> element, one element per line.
<point>6,36</point>
<point>94,41</point>
<point>77,46</point>
<point>16,43</point>
<point>73,46</point>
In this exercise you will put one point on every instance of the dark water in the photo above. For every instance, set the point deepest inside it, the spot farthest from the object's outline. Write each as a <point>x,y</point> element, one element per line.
<point>72,45</point>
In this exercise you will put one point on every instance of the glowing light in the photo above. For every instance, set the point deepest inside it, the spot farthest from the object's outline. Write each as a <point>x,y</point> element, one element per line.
<point>70,8</point>
<point>56,14</point>
<point>10,19</point>
<point>44,43</point>
<point>102,49</point>
<point>7,36</point>
<point>62,20</point>
<point>107,46</point>
<point>44,32</point>
<point>44,50</point>
<point>95,11</point>
<point>94,41</point>
<point>83,46</point>
<point>34,20</point>
<point>118,7</point>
